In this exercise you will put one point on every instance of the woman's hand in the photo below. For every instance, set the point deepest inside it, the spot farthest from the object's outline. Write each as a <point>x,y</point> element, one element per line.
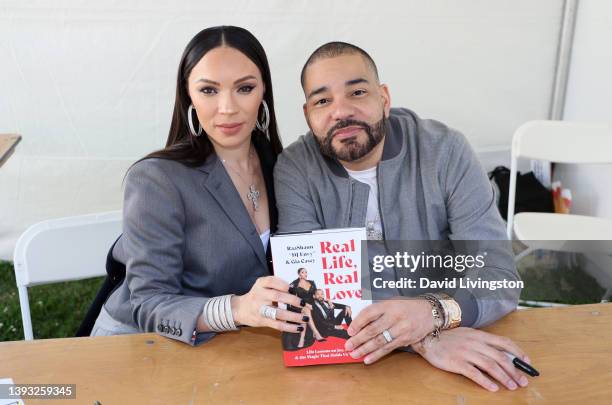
<point>268,291</point>
<point>472,353</point>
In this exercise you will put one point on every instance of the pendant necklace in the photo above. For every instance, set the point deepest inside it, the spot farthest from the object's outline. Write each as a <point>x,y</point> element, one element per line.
<point>253,194</point>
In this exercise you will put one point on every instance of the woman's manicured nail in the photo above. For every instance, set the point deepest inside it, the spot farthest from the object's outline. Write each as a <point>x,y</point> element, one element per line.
<point>300,328</point>
<point>527,360</point>
<point>303,302</point>
<point>523,381</point>
<point>355,354</point>
<point>493,387</point>
<point>512,385</point>
<point>305,318</point>
<point>348,346</point>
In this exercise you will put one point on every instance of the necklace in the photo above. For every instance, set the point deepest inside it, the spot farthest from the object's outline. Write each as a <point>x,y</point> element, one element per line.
<point>253,193</point>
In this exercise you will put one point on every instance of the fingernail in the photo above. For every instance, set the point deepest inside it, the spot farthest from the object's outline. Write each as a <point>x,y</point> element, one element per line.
<point>300,328</point>
<point>527,360</point>
<point>303,302</point>
<point>366,360</point>
<point>493,387</point>
<point>355,354</point>
<point>348,346</point>
<point>512,385</point>
<point>523,381</point>
<point>305,318</point>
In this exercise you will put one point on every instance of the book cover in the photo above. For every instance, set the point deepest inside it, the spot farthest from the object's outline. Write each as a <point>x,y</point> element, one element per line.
<point>324,268</point>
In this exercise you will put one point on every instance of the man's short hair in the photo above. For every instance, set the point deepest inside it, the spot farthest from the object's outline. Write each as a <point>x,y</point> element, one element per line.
<point>337,48</point>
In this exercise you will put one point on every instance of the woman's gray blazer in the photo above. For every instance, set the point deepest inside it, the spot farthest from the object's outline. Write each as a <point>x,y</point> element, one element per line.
<point>186,236</point>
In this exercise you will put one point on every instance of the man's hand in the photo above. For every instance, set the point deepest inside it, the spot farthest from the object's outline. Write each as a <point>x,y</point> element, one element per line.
<point>471,352</point>
<point>407,320</point>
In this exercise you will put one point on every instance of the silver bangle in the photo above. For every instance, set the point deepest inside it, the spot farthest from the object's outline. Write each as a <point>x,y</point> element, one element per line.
<point>229,315</point>
<point>218,314</point>
<point>209,314</point>
<point>223,313</point>
<point>214,312</point>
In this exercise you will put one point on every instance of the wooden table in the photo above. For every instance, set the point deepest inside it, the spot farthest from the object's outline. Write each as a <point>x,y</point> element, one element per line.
<point>7,146</point>
<point>571,347</point>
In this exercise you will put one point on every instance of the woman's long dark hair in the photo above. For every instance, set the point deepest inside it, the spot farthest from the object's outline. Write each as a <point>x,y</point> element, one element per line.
<point>181,145</point>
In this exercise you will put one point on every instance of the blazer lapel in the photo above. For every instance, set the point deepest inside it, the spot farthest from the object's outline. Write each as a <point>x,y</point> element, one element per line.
<point>268,160</point>
<point>220,186</point>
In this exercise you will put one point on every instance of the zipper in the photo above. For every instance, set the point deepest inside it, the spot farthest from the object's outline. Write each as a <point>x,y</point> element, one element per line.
<point>380,211</point>
<point>351,192</point>
<point>396,276</point>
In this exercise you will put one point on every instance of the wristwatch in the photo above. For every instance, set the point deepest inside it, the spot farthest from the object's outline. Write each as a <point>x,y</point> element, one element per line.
<point>451,309</point>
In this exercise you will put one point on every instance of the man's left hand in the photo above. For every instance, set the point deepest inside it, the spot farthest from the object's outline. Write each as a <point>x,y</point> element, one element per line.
<point>407,321</point>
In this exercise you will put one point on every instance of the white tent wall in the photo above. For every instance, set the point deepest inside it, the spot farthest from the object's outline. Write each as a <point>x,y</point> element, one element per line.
<point>589,95</point>
<point>90,85</point>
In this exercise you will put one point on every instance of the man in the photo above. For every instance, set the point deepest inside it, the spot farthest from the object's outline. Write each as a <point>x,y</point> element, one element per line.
<point>364,164</point>
<point>325,318</point>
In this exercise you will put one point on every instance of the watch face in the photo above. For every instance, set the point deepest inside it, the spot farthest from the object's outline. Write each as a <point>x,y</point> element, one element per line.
<point>455,314</point>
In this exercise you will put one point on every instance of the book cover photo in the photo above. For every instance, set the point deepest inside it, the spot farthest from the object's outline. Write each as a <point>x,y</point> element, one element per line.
<point>323,268</point>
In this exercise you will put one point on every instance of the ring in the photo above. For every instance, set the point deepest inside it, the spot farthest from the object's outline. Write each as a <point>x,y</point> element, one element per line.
<point>387,335</point>
<point>268,312</point>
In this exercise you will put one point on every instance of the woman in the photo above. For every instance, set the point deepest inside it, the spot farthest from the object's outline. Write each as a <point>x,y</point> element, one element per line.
<point>305,289</point>
<point>198,214</point>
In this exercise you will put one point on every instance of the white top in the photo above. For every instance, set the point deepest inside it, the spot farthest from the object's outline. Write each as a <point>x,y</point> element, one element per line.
<point>265,238</point>
<point>373,223</point>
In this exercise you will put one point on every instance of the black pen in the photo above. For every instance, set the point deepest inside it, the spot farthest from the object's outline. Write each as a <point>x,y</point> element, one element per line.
<point>521,365</point>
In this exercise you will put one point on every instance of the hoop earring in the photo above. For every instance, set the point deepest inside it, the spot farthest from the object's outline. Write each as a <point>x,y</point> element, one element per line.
<point>190,121</point>
<point>263,126</point>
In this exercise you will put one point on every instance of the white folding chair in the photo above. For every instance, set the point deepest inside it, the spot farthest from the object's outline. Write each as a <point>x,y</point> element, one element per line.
<point>63,249</point>
<point>561,142</point>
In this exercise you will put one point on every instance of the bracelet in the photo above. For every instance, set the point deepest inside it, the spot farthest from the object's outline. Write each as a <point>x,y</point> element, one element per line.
<point>451,310</point>
<point>437,313</point>
<point>218,315</point>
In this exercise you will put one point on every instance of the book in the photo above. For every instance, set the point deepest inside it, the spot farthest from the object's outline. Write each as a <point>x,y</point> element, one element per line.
<point>325,269</point>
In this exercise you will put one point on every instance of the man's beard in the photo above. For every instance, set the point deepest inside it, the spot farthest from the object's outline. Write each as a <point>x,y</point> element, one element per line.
<point>351,149</point>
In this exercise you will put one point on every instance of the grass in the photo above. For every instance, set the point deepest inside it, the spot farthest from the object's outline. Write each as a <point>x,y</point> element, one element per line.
<point>558,277</point>
<point>56,309</point>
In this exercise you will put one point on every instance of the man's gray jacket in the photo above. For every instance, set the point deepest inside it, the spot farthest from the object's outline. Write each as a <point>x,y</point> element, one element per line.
<point>430,187</point>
